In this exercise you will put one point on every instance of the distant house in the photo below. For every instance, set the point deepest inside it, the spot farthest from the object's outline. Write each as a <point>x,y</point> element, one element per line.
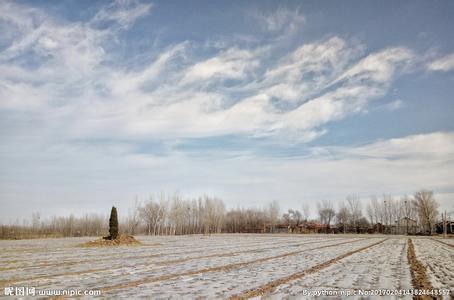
<point>449,227</point>
<point>252,228</point>
<point>405,221</point>
<point>403,226</point>
<point>305,227</point>
<point>277,228</point>
<point>378,228</point>
<point>406,226</point>
<point>316,227</point>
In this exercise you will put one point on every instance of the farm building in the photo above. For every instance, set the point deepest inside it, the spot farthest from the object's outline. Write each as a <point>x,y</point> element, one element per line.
<point>378,228</point>
<point>406,226</point>
<point>277,228</point>
<point>316,227</point>
<point>449,227</point>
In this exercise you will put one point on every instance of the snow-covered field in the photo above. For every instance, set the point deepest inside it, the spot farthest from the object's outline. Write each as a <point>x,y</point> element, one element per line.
<point>384,266</point>
<point>438,259</point>
<point>221,266</point>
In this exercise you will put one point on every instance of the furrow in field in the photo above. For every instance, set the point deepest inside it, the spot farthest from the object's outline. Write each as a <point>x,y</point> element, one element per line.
<point>218,268</point>
<point>270,286</point>
<point>444,243</point>
<point>46,251</point>
<point>436,260</point>
<point>54,258</point>
<point>93,255</point>
<point>255,250</point>
<point>167,252</point>
<point>44,245</point>
<point>155,263</point>
<point>225,283</point>
<point>418,272</point>
<point>384,266</point>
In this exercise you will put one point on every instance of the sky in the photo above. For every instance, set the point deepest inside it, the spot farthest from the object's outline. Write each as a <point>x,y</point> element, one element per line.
<point>105,102</point>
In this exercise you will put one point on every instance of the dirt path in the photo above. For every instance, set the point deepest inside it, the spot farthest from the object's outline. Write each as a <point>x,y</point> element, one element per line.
<point>270,286</point>
<point>418,273</point>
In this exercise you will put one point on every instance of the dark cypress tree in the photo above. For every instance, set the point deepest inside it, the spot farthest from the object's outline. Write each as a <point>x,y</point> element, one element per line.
<point>113,224</point>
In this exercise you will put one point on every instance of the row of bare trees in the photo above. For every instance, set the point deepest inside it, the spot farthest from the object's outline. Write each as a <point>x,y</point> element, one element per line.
<point>422,208</point>
<point>172,215</point>
<point>419,213</point>
<point>165,214</point>
<point>252,219</point>
<point>87,225</point>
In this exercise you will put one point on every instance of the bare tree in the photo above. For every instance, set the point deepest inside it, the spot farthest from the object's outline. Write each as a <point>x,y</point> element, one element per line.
<point>273,212</point>
<point>153,214</point>
<point>343,216</point>
<point>427,209</point>
<point>213,216</point>
<point>168,215</point>
<point>36,217</point>
<point>406,210</point>
<point>306,212</point>
<point>326,213</point>
<point>375,211</point>
<point>297,217</point>
<point>148,215</point>
<point>354,210</point>
<point>176,214</point>
<point>133,219</point>
<point>288,219</point>
<point>293,218</point>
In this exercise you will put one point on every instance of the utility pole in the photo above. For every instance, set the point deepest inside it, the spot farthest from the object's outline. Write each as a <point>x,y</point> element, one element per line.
<point>445,225</point>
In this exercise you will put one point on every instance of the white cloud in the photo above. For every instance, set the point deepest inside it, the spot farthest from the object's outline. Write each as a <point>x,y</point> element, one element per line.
<point>124,12</point>
<point>355,83</point>
<point>309,69</point>
<point>281,19</point>
<point>435,147</point>
<point>89,119</point>
<point>177,94</point>
<point>122,83</point>
<point>379,67</point>
<point>394,105</point>
<point>230,64</point>
<point>443,64</point>
<point>119,172</point>
<point>162,99</point>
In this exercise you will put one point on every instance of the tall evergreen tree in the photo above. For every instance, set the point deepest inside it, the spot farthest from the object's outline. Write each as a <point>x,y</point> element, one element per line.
<point>113,224</point>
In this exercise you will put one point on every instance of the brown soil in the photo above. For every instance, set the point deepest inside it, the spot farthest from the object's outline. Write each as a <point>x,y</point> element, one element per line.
<point>418,273</point>
<point>122,240</point>
<point>270,286</point>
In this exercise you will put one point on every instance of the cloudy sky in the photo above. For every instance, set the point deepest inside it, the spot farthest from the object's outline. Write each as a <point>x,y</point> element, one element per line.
<point>250,101</point>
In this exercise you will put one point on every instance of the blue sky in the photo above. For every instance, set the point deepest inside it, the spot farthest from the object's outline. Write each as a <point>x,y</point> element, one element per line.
<point>102,102</point>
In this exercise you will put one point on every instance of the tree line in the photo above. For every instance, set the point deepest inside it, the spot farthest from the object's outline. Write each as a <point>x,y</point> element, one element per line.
<point>418,213</point>
<point>166,214</point>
